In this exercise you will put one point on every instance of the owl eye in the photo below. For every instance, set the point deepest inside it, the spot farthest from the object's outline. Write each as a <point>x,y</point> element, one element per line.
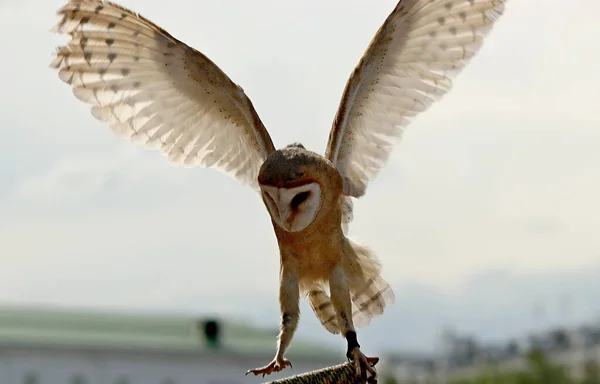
<point>299,199</point>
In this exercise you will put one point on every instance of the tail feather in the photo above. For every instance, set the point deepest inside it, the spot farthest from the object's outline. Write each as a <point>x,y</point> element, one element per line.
<point>323,309</point>
<point>370,292</point>
<point>371,301</point>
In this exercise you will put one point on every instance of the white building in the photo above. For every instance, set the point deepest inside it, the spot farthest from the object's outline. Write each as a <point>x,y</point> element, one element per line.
<point>49,346</point>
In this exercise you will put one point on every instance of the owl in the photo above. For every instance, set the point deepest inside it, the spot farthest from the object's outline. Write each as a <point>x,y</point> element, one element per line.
<point>155,90</point>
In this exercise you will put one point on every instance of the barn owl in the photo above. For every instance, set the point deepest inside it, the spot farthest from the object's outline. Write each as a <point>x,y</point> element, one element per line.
<point>157,91</point>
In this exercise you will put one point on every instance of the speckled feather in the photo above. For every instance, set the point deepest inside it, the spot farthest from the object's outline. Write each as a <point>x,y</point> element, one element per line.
<point>155,90</point>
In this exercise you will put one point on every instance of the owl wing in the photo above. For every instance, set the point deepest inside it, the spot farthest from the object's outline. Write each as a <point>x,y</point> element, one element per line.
<point>155,90</point>
<point>408,65</point>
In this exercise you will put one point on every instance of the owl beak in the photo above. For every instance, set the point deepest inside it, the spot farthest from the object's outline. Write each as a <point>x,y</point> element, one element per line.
<point>284,210</point>
<point>285,216</point>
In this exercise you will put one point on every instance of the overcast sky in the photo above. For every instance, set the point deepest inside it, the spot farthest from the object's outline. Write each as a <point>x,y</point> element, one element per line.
<point>491,197</point>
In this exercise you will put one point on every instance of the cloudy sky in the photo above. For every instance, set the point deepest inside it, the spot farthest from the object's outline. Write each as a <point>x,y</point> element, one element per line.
<point>484,219</point>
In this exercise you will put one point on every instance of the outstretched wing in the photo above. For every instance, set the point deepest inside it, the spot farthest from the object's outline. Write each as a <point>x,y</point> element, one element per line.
<point>157,91</point>
<point>408,65</point>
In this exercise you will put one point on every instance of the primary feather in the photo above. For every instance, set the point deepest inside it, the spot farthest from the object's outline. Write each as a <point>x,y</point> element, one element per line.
<point>408,65</point>
<point>155,90</point>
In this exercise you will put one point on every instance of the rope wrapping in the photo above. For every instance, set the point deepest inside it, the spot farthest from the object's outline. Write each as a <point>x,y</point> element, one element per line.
<point>337,374</point>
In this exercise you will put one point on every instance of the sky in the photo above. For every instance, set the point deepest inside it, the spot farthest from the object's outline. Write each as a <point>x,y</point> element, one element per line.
<point>487,210</point>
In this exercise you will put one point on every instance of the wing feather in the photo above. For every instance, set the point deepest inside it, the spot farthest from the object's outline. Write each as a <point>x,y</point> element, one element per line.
<point>409,64</point>
<point>154,90</point>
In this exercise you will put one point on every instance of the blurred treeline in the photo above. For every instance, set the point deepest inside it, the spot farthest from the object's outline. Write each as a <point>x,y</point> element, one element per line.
<point>539,371</point>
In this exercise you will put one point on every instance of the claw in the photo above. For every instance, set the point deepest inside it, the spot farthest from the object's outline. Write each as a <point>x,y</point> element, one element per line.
<point>363,363</point>
<point>276,365</point>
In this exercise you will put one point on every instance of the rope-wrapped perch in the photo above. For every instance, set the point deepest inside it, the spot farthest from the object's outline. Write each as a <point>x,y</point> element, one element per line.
<point>337,374</point>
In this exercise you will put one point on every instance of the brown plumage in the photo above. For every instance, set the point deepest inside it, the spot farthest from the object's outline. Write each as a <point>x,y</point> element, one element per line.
<point>157,91</point>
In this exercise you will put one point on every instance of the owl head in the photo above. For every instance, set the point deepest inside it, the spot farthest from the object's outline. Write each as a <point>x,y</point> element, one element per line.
<point>297,186</point>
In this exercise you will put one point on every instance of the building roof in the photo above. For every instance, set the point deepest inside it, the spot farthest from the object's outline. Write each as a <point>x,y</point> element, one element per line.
<point>67,328</point>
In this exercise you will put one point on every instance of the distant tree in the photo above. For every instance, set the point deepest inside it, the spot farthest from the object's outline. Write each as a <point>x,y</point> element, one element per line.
<point>540,371</point>
<point>545,372</point>
<point>512,348</point>
<point>561,339</point>
<point>592,373</point>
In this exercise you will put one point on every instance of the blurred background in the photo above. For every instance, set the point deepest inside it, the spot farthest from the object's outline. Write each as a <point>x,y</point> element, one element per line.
<point>118,268</point>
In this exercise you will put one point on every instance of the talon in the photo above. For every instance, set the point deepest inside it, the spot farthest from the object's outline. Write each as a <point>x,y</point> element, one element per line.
<point>363,363</point>
<point>277,365</point>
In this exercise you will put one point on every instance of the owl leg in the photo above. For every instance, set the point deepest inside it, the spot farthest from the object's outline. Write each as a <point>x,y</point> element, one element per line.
<point>289,301</point>
<point>340,298</point>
